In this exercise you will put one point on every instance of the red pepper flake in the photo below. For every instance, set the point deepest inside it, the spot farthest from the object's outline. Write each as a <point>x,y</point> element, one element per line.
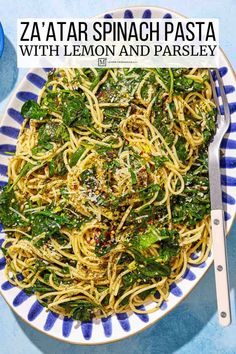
<point>96,238</point>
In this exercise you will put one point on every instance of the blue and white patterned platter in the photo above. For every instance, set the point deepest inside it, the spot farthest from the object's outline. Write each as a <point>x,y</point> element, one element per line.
<point>122,325</point>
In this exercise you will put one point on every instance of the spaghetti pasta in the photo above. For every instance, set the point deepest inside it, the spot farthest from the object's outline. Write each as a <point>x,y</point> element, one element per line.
<point>108,195</point>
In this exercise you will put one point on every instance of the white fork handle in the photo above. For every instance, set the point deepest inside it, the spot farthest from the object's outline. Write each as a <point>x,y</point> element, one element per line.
<point>221,267</point>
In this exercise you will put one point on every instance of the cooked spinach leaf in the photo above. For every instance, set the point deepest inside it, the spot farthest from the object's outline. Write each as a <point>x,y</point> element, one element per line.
<point>49,223</point>
<point>154,269</point>
<point>152,235</point>
<point>75,113</point>
<point>88,178</point>
<point>159,161</point>
<point>52,132</point>
<point>183,84</point>
<point>181,149</point>
<point>41,149</point>
<point>79,310</point>
<point>9,208</point>
<point>194,204</point>
<point>57,166</point>
<point>149,191</point>
<point>32,110</point>
<point>76,156</point>
<point>23,172</point>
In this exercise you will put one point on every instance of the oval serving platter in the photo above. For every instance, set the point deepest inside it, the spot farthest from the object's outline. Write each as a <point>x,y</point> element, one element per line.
<point>118,326</point>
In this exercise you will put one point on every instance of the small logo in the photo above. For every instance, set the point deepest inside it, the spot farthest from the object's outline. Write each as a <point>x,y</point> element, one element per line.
<point>102,62</point>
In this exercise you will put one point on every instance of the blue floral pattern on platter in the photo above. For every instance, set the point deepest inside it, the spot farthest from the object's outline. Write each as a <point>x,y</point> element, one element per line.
<point>120,325</point>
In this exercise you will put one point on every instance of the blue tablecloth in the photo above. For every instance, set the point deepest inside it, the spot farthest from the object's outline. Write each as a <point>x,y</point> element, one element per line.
<point>193,326</point>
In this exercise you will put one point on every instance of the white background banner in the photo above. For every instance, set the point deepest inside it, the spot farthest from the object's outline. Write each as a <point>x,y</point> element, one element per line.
<point>117,43</point>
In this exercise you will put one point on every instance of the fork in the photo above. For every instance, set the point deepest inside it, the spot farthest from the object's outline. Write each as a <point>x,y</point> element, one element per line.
<point>217,212</point>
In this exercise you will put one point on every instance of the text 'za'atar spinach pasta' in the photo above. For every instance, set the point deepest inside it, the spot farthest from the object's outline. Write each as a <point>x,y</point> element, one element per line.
<point>108,192</point>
